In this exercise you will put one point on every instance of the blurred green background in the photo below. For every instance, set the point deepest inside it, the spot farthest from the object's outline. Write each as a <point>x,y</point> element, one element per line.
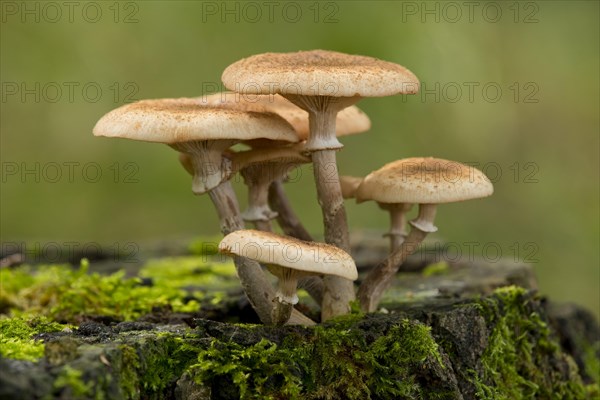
<point>511,87</point>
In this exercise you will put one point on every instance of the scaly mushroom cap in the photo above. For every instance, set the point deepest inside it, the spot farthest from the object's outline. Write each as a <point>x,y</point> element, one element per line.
<point>183,120</point>
<point>285,251</point>
<point>349,185</point>
<point>424,181</point>
<point>349,121</point>
<point>319,73</point>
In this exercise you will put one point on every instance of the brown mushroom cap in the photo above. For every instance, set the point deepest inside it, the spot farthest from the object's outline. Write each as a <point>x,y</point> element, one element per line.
<point>319,73</point>
<point>351,120</point>
<point>288,252</point>
<point>424,181</point>
<point>182,120</point>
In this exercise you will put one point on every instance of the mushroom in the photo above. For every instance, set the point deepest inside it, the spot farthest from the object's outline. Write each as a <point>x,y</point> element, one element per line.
<point>323,83</point>
<point>349,121</point>
<point>259,168</point>
<point>397,212</point>
<point>289,259</point>
<point>397,233</point>
<point>424,181</point>
<point>203,133</point>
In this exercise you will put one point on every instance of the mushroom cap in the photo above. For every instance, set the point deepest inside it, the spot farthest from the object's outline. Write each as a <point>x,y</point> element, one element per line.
<point>277,155</point>
<point>288,252</point>
<point>349,185</point>
<point>319,73</point>
<point>424,181</point>
<point>351,120</point>
<point>183,120</point>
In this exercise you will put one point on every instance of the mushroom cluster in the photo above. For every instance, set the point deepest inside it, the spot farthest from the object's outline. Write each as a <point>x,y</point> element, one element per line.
<point>290,109</point>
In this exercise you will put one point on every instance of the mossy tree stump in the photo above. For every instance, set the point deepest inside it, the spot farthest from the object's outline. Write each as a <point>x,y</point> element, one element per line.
<point>496,347</point>
<point>447,332</point>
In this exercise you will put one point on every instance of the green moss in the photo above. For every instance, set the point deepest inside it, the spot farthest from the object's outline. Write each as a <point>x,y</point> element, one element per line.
<point>13,281</point>
<point>402,350</point>
<point>130,367</point>
<point>16,337</point>
<point>439,268</point>
<point>164,359</point>
<point>592,369</point>
<point>334,362</point>
<point>261,371</point>
<point>71,380</point>
<point>591,360</point>
<point>68,295</point>
<point>515,363</point>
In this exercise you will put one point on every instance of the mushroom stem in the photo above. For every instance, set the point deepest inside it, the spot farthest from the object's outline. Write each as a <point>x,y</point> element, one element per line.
<point>208,166</point>
<point>322,143</point>
<point>291,226</point>
<point>263,226</point>
<point>424,221</point>
<point>252,278</point>
<point>257,180</point>
<point>380,278</point>
<point>398,231</point>
<point>339,292</point>
<point>285,296</point>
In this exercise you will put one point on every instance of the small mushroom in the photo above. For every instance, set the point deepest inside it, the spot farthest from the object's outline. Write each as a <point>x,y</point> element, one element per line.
<point>259,168</point>
<point>289,259</point>
<point>397,233</point>
<point>424,181</point>
<point>204,133</point>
